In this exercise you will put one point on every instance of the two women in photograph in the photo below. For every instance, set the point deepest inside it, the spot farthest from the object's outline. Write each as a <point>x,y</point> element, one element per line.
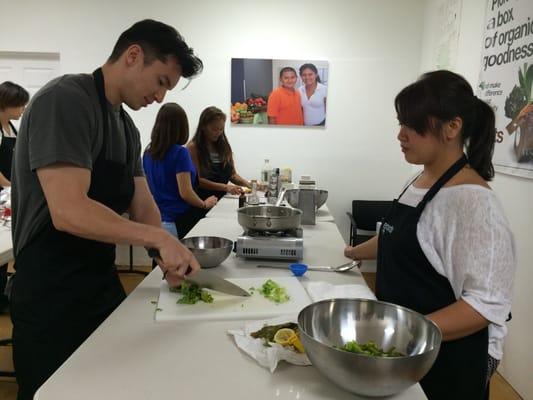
<point>305,105</point>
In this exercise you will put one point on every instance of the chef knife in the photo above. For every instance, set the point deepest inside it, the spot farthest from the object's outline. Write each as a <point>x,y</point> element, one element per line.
<point>209,280</point>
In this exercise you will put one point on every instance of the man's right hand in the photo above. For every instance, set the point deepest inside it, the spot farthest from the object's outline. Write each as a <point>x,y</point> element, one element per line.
<point>175,259</point>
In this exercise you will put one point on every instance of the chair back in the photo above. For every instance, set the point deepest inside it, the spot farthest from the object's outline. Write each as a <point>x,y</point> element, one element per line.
<point>365,215</point>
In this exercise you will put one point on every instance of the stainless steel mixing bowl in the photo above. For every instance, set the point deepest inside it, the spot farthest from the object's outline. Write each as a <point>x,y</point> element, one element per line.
<point>320,197</point>
<point>334,322</point>
<point>210,251</point>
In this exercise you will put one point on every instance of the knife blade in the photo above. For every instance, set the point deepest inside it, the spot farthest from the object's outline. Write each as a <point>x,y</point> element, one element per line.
<point>208,280</point>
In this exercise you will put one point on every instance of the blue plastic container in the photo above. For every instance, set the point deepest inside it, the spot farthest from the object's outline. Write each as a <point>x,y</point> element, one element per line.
<point>298,269</point>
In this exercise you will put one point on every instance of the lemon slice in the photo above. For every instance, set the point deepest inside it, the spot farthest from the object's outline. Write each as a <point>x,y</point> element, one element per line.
<point>297,344</point>
<point>284,336</point>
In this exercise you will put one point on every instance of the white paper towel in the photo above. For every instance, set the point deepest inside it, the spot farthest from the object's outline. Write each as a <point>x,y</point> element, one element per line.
<point>267,357</point>
<point>323,290</point>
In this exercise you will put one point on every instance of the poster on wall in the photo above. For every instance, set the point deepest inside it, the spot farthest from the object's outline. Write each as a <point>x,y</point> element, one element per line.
<point>448,28</point>
<point>506,81</point>
<point>279,92</point>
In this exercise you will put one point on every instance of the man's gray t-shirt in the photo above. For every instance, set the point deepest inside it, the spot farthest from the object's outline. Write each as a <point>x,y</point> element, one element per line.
<point>62,124</point>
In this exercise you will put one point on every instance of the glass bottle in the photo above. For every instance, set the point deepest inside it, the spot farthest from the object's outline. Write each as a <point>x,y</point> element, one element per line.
<point>266,171</point>
<point>273,187</point>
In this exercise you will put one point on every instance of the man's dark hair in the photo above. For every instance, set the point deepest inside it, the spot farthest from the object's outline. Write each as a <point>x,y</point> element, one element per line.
<point>12,95</point>
<point>158,41</point>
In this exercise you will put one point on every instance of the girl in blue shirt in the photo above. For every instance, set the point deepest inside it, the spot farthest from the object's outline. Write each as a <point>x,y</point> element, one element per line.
<point>171,174</point>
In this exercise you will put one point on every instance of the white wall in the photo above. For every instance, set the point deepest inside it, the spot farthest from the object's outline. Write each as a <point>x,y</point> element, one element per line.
<point>515,194</point>
<point>356,156</point>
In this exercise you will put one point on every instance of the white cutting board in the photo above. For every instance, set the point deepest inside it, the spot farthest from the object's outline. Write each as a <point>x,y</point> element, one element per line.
<point>226,307</point>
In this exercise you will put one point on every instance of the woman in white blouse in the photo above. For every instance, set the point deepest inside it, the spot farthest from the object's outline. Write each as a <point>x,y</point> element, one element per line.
<point>312,96</point>
<point>445,249</point>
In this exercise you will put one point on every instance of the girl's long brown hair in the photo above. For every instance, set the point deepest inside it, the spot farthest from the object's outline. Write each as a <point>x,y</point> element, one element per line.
<point>222,146</point>
<point>171,127</point>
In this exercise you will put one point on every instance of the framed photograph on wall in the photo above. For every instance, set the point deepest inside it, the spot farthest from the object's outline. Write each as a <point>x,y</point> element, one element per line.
<point>279,92</point>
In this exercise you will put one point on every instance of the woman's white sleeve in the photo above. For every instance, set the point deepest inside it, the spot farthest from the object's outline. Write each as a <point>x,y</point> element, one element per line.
<point>471,244</point>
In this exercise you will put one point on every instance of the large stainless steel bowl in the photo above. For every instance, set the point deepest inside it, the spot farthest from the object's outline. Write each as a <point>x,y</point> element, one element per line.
<point>269,218</point>
<point>320,196</point>
<point>334,322</point>
<point>210,251</point>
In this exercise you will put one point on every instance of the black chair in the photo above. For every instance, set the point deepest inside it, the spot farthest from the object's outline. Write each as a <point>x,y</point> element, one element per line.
<point>131,269</point>
<point>363,218</point>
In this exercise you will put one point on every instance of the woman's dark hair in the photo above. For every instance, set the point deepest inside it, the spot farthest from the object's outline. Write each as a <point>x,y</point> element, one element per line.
<point>12,95</point>
<point>286,69</point>
<point>158,41</point>
<point>312,67</point>
<point>440,96</point>
<point>222,146</point>
<point>171,127</point>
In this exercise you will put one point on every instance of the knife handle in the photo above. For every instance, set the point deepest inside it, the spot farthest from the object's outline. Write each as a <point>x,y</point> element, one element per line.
<point>154,253</point>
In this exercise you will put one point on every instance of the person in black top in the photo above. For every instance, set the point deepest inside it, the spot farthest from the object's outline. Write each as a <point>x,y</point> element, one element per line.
<point>213,157</point>
<point>445,248</point>
<point>13,100</point>
<point>77,169</point>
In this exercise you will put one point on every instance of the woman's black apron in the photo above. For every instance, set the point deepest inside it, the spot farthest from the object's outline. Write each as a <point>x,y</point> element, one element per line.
<point>6,151</point>
<point>6,155</point>
<point>219,173</point>
<point>406,277</point>
<point>64,285</point>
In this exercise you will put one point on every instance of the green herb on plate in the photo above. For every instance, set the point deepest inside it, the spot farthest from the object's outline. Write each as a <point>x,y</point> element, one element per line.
<point>272,291</point>
<point>191,294</point>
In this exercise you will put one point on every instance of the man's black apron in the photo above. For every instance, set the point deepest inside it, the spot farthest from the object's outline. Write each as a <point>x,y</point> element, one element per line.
<point>406,277</point>
<point>64,285</point>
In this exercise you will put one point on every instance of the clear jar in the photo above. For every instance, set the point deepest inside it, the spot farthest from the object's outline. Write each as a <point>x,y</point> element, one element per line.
<point>253,198</point>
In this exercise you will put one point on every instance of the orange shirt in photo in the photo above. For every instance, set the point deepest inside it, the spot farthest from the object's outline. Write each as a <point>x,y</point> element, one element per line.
<point>285,106</point>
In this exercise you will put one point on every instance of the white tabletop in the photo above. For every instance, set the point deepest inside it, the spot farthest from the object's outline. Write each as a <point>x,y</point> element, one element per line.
<point>132,357</point>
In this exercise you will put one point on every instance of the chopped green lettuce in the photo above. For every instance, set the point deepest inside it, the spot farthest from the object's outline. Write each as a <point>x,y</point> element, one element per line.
<point>370,349</point>
<point>191,294</point>
<point>272,291</point>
